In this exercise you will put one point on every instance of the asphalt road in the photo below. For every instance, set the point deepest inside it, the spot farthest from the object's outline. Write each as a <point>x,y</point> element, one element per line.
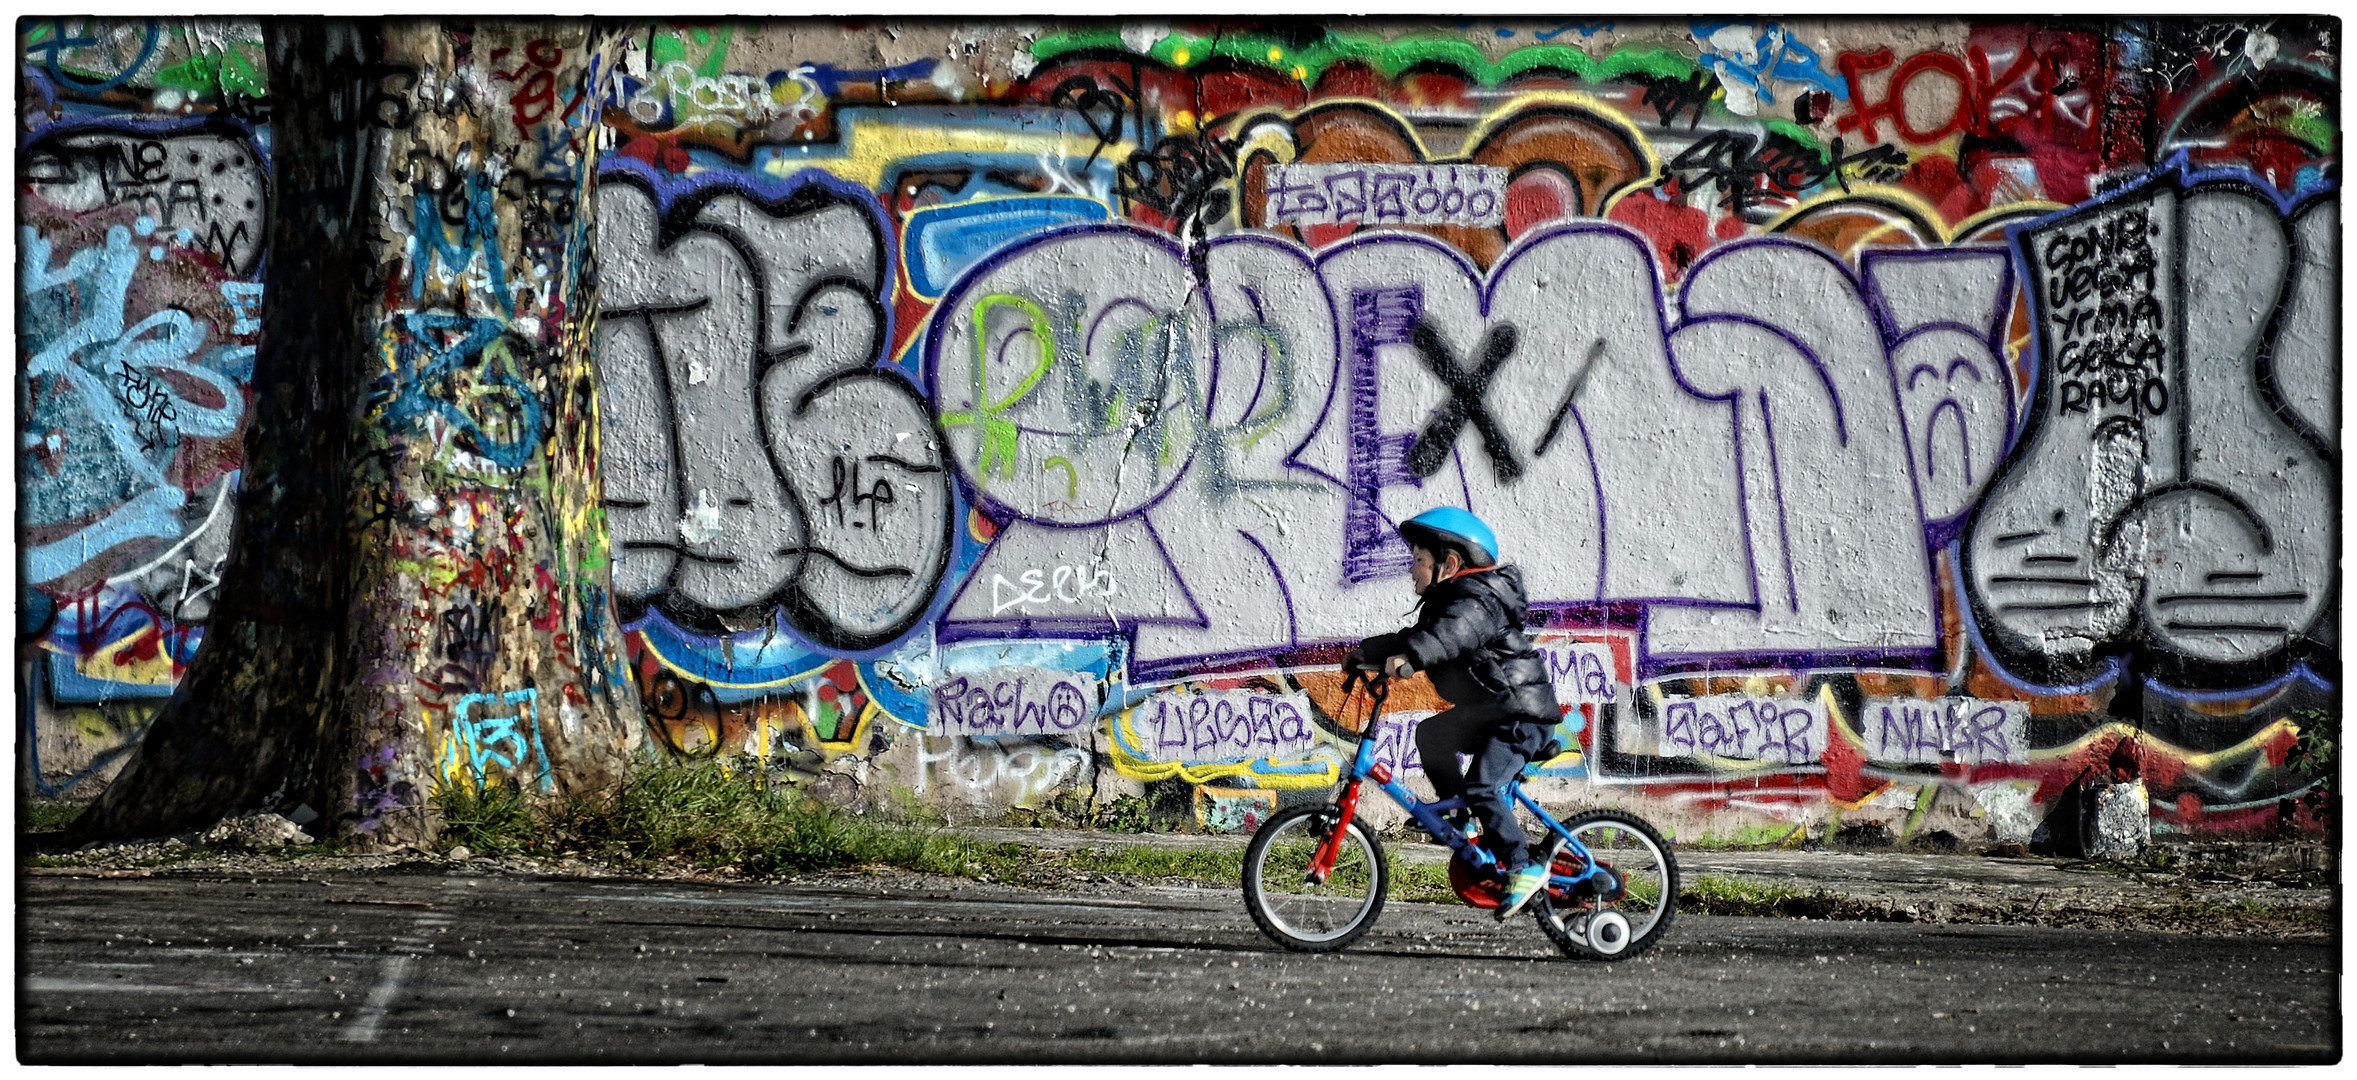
<point>459,967</point>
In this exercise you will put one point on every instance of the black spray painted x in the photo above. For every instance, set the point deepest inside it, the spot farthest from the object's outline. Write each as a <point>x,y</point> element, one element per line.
<point>1465,390</point>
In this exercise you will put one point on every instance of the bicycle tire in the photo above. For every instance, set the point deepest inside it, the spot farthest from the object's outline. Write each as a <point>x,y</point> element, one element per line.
<point>1648,898</point>
<point>1326,917</point>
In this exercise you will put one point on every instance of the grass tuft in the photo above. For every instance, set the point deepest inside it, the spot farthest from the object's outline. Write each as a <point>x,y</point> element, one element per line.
<point>1714,895</point>
<point>708,816</point>
<point>1131,814</point>
<point>1744,838</point>
<point>732,816</point>
<point>494,819</point>
<point>1216,866</point>
<point>46,815</point>
<point>1421,883</point>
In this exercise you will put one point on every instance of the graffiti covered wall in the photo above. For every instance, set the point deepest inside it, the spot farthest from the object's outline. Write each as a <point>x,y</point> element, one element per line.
<point>1896,421</point>
<point>143,179</point>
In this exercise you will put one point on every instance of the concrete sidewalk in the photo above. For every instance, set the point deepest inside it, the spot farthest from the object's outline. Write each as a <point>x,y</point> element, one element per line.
<point>2209,888</point>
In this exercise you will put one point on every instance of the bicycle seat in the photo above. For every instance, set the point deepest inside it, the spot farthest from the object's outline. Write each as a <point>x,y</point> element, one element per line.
<point>1546,753</point>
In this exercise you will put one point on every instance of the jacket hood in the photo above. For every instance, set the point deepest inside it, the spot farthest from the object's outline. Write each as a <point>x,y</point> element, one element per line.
<point>1504,581</point>
<point>1480,652</point>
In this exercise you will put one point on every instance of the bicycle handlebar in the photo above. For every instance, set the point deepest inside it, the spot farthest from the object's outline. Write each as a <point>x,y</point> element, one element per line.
<point>1377,683</point>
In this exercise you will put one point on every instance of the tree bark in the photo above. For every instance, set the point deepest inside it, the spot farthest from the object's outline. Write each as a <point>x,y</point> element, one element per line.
<point>417,588</point>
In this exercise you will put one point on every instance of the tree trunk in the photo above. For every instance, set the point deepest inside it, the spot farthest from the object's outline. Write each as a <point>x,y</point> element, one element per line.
<point>416,592</point>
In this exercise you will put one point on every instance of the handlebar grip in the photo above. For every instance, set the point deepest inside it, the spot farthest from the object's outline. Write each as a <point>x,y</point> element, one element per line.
<point>1373,678</point>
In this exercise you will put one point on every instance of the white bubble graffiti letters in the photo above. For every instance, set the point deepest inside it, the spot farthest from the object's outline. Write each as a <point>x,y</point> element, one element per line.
<point>1101,411</point>
<point>995,773</point>
<point>757,459</point>
<point>1948,309</point>
<point>2172,481</point>
<point>1071,401</point>
<point>1781,330</point>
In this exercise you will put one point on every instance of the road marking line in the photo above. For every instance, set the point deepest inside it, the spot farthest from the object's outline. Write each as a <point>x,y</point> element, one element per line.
<point>407,947</point>
<point>380,999</point>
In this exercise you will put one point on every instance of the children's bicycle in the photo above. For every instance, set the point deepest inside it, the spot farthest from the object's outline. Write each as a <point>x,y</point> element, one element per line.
<point>1315,876</point>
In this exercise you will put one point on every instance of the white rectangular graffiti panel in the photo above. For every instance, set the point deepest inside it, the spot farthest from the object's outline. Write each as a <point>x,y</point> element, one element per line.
<point>1584,672</point>
<point>1221,725</point>
<point>1740,726</point>
<point>1929,732</point>
<point>1014,700</point>
<point>1387,193</point>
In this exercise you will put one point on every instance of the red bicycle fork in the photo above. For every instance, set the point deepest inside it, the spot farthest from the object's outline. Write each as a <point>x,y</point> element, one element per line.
<point>1321,862</point>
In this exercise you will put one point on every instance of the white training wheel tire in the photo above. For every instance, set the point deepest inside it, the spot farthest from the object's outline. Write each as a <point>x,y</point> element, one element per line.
<point>1608,932</point>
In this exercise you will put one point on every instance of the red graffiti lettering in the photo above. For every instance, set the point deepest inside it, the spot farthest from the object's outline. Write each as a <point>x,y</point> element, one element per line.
<point>1978,91</point>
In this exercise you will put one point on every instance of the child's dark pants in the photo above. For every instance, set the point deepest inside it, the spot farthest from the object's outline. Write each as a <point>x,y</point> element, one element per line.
<point>1500,742</point>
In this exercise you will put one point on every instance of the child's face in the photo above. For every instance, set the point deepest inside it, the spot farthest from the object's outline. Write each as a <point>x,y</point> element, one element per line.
<point>1426,570</point>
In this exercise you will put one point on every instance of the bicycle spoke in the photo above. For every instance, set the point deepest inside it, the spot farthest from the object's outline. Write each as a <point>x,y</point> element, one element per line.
<point>1315,909</point>
<point>1325,910</point>
<point>1641,888</point>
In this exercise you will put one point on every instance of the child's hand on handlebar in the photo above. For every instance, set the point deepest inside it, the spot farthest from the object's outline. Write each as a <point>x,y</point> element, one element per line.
<point>1397,667</point>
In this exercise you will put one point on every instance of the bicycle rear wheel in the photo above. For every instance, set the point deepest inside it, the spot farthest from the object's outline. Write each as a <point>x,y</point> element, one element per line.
<point>1308,916</point>
<point>1625,918</point>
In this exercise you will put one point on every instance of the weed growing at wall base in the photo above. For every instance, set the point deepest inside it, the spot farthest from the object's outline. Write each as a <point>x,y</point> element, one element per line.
<point>493,819</point>
<point>713,817</point>
<point>41,816</point>
<point>1747,838</point>
<point>1712,895</point>
<point>1130,814</point>
<point>2313,750</point>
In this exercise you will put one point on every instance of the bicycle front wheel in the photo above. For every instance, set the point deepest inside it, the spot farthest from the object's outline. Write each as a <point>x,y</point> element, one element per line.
<point>1618,919</point>
<point>1305,915</point>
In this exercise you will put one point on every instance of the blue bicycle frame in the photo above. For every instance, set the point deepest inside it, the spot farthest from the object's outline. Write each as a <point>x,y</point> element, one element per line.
<point>1364,767</point>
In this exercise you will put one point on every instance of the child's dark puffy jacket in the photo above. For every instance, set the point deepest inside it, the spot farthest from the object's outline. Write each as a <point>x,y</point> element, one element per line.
<point>1469,638</point>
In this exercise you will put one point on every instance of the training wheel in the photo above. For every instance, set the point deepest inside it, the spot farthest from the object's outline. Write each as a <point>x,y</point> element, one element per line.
<point>1608,932</point>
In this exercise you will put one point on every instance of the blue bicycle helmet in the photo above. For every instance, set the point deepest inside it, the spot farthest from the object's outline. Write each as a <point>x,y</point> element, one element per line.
<point>1445,527</point>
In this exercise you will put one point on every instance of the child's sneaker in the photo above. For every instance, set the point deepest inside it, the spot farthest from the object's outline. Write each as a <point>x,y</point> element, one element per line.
<point>1521,885</point>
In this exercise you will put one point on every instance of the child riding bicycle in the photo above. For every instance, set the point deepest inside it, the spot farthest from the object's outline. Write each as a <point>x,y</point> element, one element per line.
<point>1468,637</point>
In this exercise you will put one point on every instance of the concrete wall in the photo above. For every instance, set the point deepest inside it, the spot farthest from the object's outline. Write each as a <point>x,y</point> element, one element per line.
<point>142,184</point>
<point>1012,416</point>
